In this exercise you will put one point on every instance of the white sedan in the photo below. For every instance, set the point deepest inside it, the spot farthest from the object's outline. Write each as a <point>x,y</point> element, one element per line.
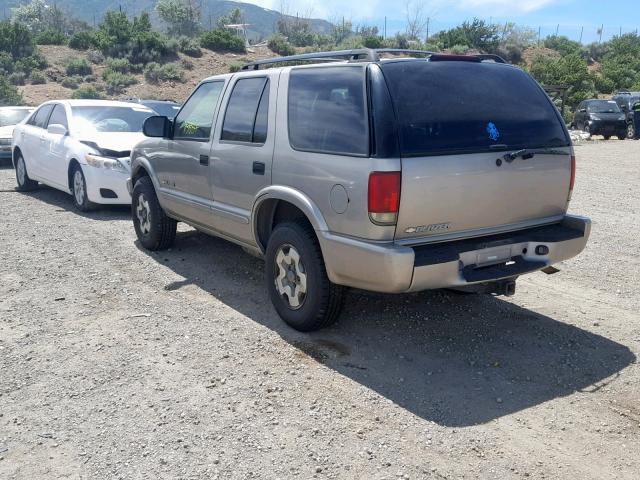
<point>9,118</point>
<point>81,147</point>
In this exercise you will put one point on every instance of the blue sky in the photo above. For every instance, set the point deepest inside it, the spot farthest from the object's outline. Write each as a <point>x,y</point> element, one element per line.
<point>571,15</point>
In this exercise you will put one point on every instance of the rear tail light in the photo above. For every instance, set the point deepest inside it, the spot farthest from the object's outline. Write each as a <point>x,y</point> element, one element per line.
<point>573,177</point>
<point>384,197</point>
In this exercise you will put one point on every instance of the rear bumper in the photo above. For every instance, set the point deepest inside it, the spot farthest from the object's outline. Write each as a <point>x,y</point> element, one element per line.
<point>392,268</point>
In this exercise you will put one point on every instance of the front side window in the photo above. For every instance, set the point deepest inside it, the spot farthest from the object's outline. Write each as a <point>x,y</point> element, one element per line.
<point>59,117</point>
<point>247,111</point>
<point>327,110</point>
<point>105,119</point>
<point>39,119</point>
<point>195,120</point>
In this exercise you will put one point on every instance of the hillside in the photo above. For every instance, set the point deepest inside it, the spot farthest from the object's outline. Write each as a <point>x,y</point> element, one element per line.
<point>262,20</point>
<point>210,63</point>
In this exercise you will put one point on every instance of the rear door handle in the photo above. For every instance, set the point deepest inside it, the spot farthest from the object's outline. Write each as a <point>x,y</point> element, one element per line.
<point>258,168</point>
<point>204,159</point>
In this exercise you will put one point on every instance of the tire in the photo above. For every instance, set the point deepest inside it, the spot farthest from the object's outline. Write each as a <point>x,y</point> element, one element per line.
<point>79,190</point>
<point>622,136</point>
<point>319,301</point>
<point>25,184</point>
<point>631,131</point>
<point>155,230</point>
<point>607,137</point>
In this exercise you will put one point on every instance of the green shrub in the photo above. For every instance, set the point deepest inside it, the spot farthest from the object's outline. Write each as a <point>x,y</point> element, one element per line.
<point>16,40</point>
<point>95,56</point>
<point>122,65</point>
<point>235,67</point>
<point>87,92</point>
<point>9,95</point>
<point>51,37</point>
<point>187,64</point>
<point>89,79</point>
<point>6,63</point>
<point>79,67</point>
<point>116,81</point>
<point>373,41</point>
<point>37,78</point>
<point>82,41</point>
<point>459,49</point>
<point>17,78</point>
<point>189,46</point>
<point>155,73</point>
<point>33,62</point>
<point>279,45</point>
<point>222,40</point>
<point>69,82</point>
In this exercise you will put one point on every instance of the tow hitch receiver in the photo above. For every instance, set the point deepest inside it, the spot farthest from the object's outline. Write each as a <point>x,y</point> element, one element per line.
<point>506,288</point>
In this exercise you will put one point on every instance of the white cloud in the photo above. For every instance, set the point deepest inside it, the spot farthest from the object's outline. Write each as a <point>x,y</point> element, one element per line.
<point>488,7</point>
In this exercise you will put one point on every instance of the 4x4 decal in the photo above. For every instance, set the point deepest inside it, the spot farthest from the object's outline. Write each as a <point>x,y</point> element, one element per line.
<point>493,131</point>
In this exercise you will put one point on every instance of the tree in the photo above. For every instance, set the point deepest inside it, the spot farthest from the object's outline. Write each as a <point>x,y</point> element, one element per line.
<point>416,20</point>
<point>476,34</point>
<point>568,70</point>
<point>9,95</point>
<point>181,16</point>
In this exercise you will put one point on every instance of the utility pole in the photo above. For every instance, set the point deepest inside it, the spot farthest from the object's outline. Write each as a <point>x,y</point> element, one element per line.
<point>385,27</point>
<point>428,22</point>
<point>601,30</point>
<point>581,32</point>
<point>539,30</point>
<point>557,29</point>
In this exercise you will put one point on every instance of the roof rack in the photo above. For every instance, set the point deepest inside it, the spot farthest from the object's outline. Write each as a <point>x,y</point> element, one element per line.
<point>354,55</point>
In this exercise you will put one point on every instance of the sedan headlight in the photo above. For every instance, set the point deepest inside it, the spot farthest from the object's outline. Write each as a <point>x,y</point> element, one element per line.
<point>108,163</point>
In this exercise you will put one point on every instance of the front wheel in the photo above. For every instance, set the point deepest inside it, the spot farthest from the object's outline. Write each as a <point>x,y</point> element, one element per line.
<point>25,184</point>
<point>297,281</point>
<point>631,131</point>
<point>79,190</point>
<point>155,230</point>
<point>607,137</point>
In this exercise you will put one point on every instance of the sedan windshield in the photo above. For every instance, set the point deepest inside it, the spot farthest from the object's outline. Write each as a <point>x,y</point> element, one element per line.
<point>12,116</point>
<point>603,106</point>
<point>103,119</point>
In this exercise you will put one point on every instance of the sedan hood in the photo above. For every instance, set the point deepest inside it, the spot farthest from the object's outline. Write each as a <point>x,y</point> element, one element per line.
<point>114,141</point>
<point>6,132</point>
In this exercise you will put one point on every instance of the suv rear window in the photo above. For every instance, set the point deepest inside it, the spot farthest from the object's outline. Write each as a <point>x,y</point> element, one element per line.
<point>448,107</point>
<point>327,110</point>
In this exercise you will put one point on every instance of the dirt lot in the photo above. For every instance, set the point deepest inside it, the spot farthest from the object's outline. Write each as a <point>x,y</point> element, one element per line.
<point>120,364</point>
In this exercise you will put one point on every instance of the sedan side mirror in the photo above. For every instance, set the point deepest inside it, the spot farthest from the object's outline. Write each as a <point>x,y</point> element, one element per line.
<point>583,110</point>
<point>157,127</point>
<point>57,129</point>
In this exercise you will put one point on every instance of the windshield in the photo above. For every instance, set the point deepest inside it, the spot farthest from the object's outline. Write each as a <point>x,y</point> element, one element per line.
<point>169,110</point>
<point>13,116</point>
<point>446,107</point>
<point>603,106</point>
<point>104,119</point>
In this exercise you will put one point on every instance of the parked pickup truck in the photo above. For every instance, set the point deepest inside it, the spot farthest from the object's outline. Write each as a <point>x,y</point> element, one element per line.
<point>348,169</point>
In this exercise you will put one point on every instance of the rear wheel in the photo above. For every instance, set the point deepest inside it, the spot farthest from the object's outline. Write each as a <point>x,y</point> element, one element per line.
<point>155,230</point>
<point>607,137</point>
<point>297,281</point>
<point>25,184</point>
<point>79,190</point>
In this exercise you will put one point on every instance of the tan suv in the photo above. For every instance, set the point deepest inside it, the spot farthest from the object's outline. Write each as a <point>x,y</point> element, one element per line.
<point>392,175</point>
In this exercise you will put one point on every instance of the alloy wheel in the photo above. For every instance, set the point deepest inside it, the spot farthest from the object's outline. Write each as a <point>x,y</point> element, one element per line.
<point>290,276</point>
<point>21,171</point>
<point>78,187</point>
<point>142,212</point>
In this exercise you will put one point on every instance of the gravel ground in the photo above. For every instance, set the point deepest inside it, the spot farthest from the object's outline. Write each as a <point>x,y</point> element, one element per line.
<point>120,364</point>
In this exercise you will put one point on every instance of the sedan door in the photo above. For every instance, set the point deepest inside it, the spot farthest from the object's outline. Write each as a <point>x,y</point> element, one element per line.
<point>54,158</point>
<point>31,141</point>
<point>182,168</point>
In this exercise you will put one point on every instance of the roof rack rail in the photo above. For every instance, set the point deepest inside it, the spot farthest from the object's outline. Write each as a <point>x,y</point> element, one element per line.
<point>354,55</point>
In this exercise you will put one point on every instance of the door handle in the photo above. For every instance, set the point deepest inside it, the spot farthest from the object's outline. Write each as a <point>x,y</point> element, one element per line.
<point>204,159</point>
<point>258,168</point>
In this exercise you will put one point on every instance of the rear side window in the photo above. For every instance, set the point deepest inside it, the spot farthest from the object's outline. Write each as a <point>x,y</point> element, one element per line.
<point>39,119</point>
<point>195,120</point>
<point>448,107</point>
<point>327,110</point>
<point>247,111</point>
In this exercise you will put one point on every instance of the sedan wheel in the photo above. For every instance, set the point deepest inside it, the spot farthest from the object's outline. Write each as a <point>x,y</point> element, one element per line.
<point>22,178</point>
<point>79,190</point>
<point>142,212</point>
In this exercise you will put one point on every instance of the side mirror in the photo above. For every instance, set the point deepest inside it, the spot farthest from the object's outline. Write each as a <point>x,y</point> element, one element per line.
<point>157,127</point>
<point>57,129</point>
<point>583,110</point>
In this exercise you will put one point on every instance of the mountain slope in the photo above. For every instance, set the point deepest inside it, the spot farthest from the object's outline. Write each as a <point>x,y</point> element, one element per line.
<point>262,20</point>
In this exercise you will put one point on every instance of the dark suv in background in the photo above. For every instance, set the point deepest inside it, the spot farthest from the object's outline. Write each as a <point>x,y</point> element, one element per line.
<point>601,117</point>
<point>626,101</point>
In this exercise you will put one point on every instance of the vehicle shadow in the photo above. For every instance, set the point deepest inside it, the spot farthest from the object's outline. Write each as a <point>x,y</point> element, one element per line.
<point>64,202</point>
<point>452,359</point>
